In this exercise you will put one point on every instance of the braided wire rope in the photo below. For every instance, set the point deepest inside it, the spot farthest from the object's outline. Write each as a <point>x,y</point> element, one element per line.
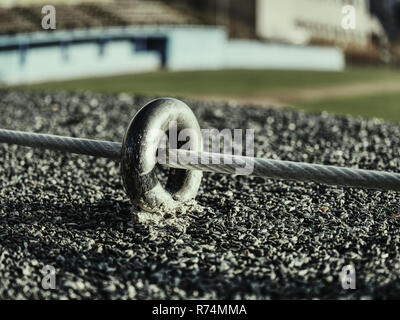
<point>97,148</point>
<point>215,162</point>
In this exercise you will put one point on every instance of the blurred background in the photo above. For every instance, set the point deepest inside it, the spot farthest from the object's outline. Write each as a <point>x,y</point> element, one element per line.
<point>340,56</point>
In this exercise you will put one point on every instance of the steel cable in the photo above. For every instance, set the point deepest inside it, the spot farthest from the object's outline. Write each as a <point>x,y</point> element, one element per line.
<point>219,163</point>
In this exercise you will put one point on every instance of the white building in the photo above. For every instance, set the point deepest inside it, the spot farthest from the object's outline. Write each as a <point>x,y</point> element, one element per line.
<point>346,23</point>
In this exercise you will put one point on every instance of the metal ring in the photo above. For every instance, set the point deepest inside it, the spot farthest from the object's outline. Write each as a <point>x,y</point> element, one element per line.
<point>139,151</point>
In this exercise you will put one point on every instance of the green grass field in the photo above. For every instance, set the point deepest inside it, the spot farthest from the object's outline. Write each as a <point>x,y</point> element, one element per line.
<point>251,83</point>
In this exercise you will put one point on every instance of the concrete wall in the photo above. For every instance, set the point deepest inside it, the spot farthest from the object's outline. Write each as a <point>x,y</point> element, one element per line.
<point>66,55</point>
<point>256,55</point>
<point>74,61</point>
<point>190,49</point>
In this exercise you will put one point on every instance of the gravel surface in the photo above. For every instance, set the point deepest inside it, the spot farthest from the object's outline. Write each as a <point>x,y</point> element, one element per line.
<point>249,238</point>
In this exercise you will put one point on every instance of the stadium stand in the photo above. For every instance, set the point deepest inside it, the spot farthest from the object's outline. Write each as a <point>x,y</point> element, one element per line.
<point>105,16</point>
<point>91,15</point>
<point>145,12</point>
<point>11,22</point>
<point>68,17</point>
